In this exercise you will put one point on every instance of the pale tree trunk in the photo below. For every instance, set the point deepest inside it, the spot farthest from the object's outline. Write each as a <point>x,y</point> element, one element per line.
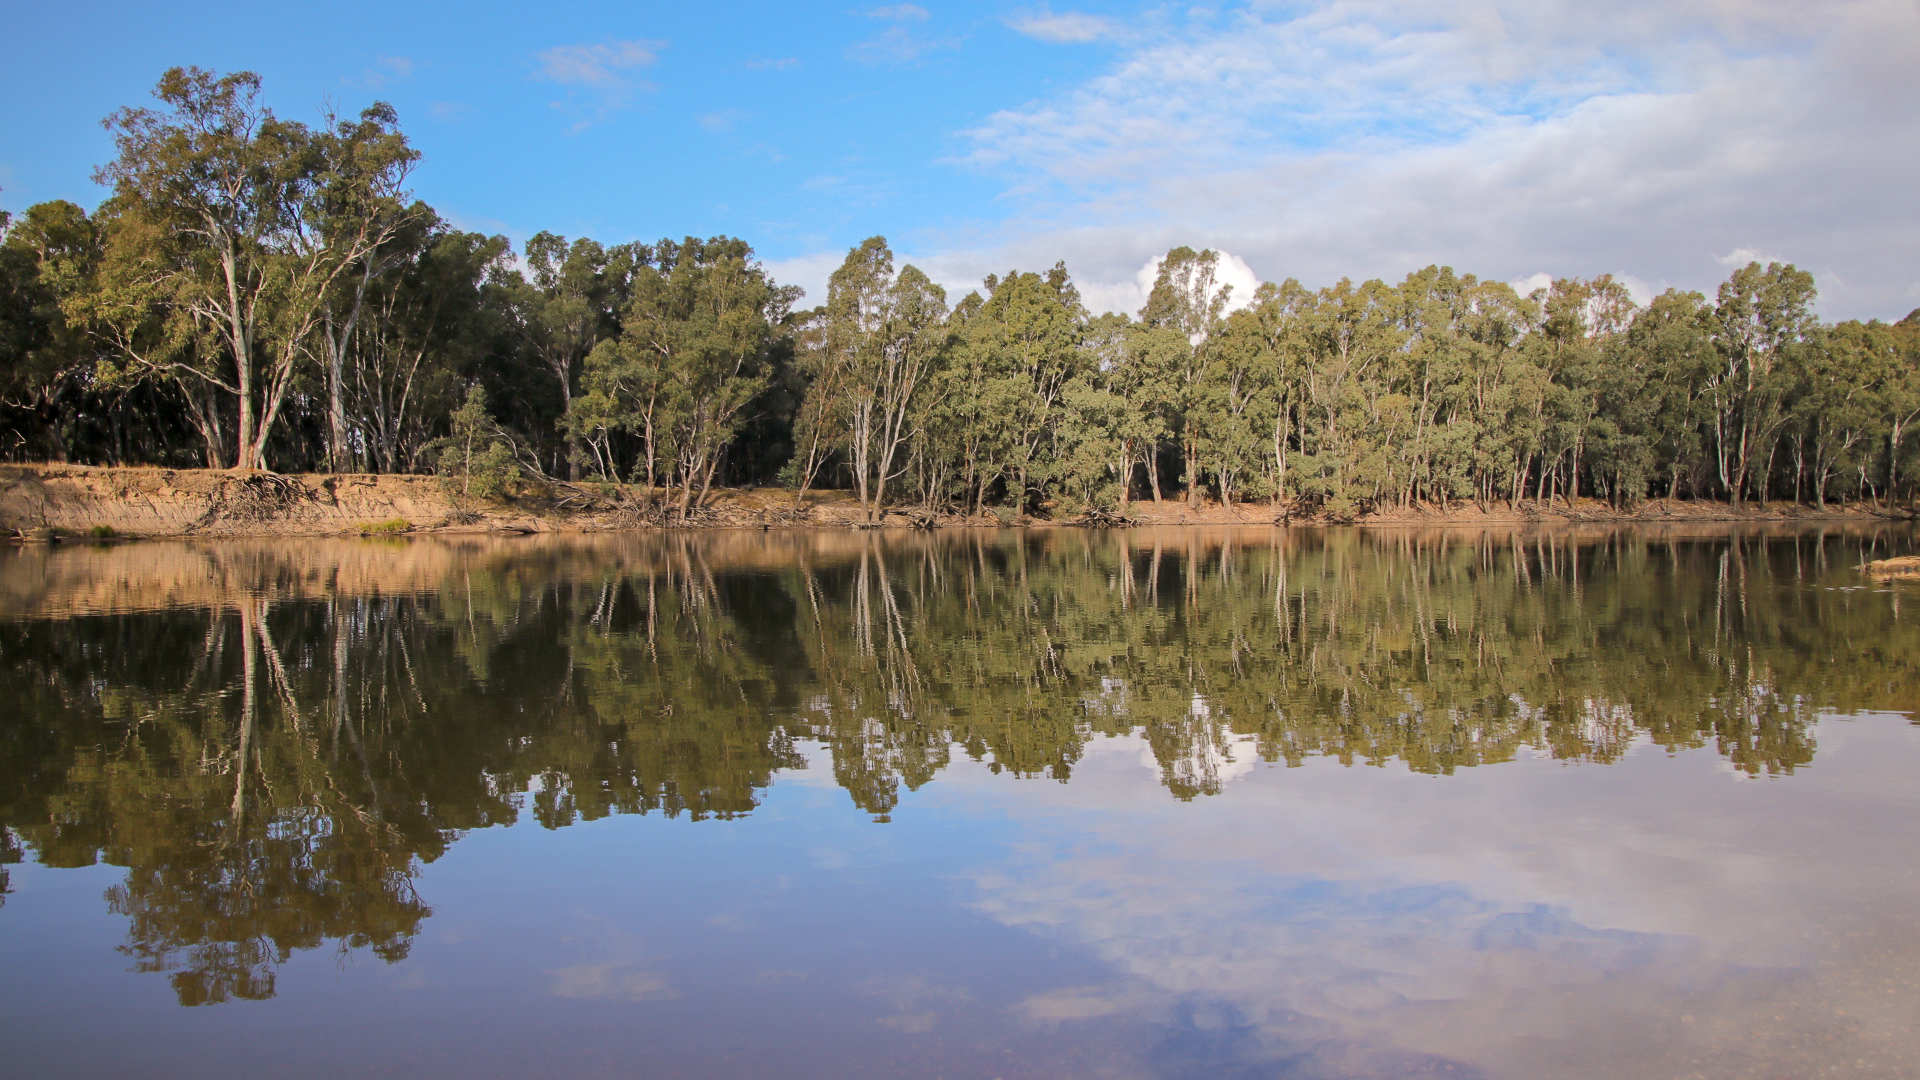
<point>240,336</point>
<point>1190,451</point>
<point>562,367</point>
<point>339,340</point>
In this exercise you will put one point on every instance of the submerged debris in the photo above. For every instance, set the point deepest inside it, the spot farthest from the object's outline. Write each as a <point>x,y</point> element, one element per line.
<point>1902,567</point>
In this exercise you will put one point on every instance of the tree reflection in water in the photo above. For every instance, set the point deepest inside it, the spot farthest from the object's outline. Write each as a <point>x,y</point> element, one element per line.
<point>272,739</point>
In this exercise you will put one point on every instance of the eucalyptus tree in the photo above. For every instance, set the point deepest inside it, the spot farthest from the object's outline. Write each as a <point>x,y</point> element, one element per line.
<point>886,332</point>
<point>1835,409</point>
<point>1022,348</point>
<point>1267,339</point>
<point>1237,406</point>
<point>424,329</point>
<point>1349,334</point>
<point>1150,380</point>
<point>693,352</point>
<point>820,404</point>
<point>46,256</point>
<point>961,448</point>
<point>1669,350</point>
<point>233,227</point>
<point>359,207</point>
<point>1112,397</point>
<point>1187,298</point>
<point>1759,316</point>
<point>561,313</point>
<point>1900,399</point>
<point>713,313</point>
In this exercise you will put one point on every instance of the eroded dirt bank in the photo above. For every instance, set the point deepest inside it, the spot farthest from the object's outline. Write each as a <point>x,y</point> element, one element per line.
<point>42,501</point>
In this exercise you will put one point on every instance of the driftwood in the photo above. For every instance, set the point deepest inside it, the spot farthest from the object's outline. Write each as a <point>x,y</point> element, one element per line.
<point>1101,518</point>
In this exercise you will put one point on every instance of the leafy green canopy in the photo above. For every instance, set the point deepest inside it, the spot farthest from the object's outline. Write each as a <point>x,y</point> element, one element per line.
<point>260,292</point>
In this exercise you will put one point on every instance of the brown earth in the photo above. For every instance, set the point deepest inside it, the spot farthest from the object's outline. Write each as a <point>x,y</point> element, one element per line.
<point>48,501</point>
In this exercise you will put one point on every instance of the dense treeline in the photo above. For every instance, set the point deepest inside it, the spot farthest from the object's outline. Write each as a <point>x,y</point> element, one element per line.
<point>261,293</point>
<point>273,773</point>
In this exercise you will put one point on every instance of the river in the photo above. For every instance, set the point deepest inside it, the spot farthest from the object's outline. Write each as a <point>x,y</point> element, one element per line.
<point>1209,802</point>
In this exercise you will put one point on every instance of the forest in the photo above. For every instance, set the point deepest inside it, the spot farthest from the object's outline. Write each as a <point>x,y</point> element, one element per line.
<point>260,293</point>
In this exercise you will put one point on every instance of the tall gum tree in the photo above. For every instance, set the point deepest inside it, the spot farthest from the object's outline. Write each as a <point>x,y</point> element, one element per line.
<point>1760,314</point>
<point>1188,297</point>
<point>360,208</point>
<point>233,227</point>
<point>888,331</point>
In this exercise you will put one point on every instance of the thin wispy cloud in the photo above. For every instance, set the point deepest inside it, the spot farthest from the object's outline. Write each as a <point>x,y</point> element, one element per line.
<point>386,71</point>
<point>722,121</point>
<point>898,44</point>
<point>785,63</point>
<point>604,65</point>
<point>601,76</point>
<point>1065,28</point>
<point>1506,138</point>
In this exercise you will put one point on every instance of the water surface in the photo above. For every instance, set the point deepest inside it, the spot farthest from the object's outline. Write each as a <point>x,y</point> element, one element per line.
<point>1181,803</point>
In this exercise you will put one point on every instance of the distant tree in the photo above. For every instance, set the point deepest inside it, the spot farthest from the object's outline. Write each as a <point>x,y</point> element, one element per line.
<point>1759,316</point>
<point>694,351</point>
<point>46,364</point>
<point>886,333</point>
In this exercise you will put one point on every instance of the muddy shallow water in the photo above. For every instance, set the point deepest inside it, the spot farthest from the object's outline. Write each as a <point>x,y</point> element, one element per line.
<point>1606,802</point>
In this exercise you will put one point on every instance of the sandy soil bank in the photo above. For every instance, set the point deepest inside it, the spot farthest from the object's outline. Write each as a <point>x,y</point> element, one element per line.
<point>48,501</point>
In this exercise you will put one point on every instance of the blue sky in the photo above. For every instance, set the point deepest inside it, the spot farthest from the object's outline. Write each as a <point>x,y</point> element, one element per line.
<point>1664,142</point>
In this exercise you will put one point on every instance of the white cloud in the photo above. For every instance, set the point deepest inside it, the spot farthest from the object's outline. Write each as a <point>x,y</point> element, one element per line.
<point>1065,28</point>
<point>601,66</point>
<point>1129,295</point>
<point>810,272</point>
<point>600,74</point>
<point>1742,256</point>
<point>899,13</point>
<point>1504,138</point>
<point>1528,285</point>
<point>1522,919</point>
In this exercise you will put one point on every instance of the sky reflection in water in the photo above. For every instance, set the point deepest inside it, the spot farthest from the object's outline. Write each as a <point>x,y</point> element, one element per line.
<point>1188,803</point>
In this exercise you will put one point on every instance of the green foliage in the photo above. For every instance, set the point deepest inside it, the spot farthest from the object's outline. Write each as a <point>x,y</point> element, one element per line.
<point>103,532</point>
<point>260,290</point>
<point>476,459</point>
<point>694,352</point>
<point>389,527</point>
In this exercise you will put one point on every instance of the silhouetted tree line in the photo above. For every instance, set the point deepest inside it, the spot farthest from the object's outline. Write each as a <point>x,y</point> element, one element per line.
<point>261,293</point>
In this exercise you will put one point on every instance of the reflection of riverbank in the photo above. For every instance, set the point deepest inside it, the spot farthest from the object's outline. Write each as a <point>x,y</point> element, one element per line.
<point>272,736</point>
<point>100,578</point>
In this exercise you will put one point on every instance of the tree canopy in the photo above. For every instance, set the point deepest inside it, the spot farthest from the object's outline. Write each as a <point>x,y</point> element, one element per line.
<point>259,292</point>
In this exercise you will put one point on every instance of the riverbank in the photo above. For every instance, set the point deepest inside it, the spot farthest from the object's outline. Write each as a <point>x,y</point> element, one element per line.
<point>53,501</point>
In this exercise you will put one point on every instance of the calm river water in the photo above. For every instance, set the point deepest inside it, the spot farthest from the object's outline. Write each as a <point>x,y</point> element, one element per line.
<point>1184,803</point>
